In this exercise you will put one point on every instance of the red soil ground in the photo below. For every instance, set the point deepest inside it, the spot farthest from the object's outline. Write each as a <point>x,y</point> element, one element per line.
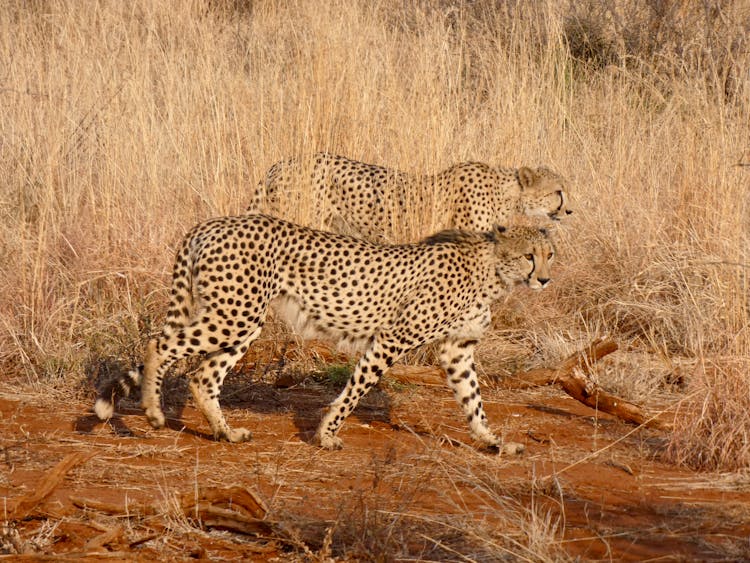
<point>408,484</point>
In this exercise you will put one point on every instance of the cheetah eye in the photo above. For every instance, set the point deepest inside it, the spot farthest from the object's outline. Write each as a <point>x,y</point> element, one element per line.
<point>529,257</point>
<point>549,256</point>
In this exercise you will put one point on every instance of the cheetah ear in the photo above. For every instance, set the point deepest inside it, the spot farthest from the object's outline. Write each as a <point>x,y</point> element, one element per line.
<point>526,177</point>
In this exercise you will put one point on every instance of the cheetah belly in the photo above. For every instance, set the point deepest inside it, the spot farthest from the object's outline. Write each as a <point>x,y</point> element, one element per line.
<point>309,325</point>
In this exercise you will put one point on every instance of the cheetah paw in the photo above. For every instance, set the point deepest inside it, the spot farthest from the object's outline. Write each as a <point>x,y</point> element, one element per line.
<point>155,417</point>
<point>328,441</point>
<point>237,435</point>
<point>508,448</point>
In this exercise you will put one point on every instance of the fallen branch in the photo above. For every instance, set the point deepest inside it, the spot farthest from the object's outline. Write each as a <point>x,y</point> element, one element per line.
<point>547,376</point>
<point>217,517</point>
<point>112,508</point>
<point>570,375</point>
<point>587,392</point>
<point>236,509</point>
<point>232,508</point>
<point>417,375</point>
<point>235,498</point>
<point>110,536</point>
<point>20,508</point>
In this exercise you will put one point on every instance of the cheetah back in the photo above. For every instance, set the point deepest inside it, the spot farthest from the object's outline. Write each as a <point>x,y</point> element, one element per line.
<point>381,204</point>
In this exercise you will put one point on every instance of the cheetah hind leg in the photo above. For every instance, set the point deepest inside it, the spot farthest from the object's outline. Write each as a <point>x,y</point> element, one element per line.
<point>154,368</point>
<point>205,385</point>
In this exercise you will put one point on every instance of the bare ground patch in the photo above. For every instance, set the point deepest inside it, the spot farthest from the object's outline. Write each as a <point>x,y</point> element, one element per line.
<point>408,485</point>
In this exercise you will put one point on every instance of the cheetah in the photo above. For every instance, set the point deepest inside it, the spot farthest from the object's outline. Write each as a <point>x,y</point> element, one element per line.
<point>376,203</point>
<point>391,298</point>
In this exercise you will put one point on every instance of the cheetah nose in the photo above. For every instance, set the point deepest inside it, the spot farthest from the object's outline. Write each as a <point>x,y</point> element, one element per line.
<point>543,281</point>
<point>568,211</point>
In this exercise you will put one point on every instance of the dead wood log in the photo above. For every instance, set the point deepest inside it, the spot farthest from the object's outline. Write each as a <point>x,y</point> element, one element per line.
<point>20,508</point>
<point>417,375</point>
<point>435,376</point>
<point>112,507</point>
<point>570,375</point>
<point>108,537</point>
<point>236,498</point>
<point>217,517</point>
<point>581,388</point>
<point>232,508</point>
<point>236,509</point>
<point>546,376</point>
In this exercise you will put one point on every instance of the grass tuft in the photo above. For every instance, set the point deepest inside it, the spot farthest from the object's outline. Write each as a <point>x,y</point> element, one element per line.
<point>712,426</point>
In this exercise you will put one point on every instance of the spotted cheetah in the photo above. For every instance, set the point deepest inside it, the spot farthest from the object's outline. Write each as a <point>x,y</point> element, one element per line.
<point>391,298</point>
<point>376,203</point>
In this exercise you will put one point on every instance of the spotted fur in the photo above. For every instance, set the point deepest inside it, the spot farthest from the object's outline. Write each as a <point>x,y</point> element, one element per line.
<point>375,202</point>
<point>391,298</point>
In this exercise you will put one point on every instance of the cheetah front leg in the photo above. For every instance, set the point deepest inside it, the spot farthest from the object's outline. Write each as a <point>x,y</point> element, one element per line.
<point>457,359</point>
<point>368,371</point>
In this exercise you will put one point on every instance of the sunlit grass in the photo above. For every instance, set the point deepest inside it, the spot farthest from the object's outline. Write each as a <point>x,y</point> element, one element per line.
<point>125,123</point>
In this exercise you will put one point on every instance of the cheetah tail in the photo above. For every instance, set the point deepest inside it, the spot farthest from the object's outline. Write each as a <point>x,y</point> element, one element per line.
<point>116,389</point>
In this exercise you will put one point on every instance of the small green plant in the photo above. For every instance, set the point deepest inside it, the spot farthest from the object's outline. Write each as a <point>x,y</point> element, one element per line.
<point>336,374</point>
<point>397,386</point>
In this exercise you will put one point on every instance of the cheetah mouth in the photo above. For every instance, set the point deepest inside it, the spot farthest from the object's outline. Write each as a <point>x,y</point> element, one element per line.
<point>555,215</point>
<point>536,285</point>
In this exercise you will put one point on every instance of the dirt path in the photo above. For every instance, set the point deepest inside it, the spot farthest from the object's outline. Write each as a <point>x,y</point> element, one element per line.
<point>407,484</point>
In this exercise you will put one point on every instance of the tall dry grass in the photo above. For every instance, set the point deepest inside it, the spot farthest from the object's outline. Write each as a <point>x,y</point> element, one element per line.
<point>125,123</point>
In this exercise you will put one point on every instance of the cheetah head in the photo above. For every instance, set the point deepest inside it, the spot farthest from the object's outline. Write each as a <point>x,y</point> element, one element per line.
<point>524,256</point>
<point>543,193</point>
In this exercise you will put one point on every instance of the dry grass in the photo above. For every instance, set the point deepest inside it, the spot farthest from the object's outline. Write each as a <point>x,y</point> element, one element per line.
<point>125,123</point>
<point>436,505</point>
<point>712,431</point>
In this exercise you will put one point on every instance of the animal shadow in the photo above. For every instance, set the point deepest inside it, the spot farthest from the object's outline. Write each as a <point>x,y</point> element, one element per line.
<point>305,401</point>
